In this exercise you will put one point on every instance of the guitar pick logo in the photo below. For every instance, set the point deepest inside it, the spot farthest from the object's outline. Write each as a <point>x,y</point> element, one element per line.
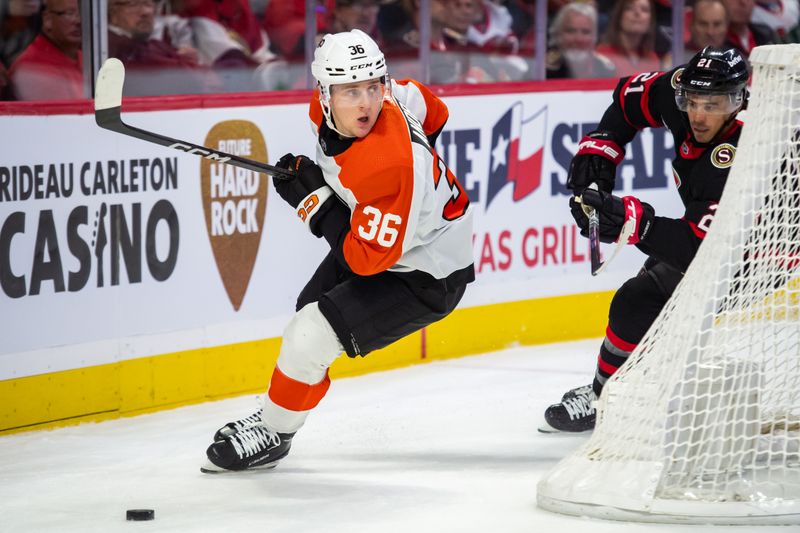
<point>234,203</point>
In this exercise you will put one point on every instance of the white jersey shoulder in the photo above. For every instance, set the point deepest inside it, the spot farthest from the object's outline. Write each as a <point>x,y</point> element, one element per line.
<point>432,235</point>
<point>409,95</point>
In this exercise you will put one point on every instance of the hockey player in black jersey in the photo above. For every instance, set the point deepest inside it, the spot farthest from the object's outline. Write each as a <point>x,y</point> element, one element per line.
<point>698,102</point>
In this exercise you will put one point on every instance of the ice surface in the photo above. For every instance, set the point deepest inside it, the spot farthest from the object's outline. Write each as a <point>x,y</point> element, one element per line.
<point>443,447</point>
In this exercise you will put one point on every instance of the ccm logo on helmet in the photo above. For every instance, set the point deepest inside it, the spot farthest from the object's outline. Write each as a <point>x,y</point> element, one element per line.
<point>362,66</point>
<point>700,83</point>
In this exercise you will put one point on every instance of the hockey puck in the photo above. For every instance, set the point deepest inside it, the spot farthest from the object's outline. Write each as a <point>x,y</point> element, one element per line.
<point>140,514</point>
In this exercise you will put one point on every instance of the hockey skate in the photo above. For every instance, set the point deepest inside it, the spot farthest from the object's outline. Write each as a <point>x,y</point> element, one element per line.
<point>574,414</point>
<point>583,390</point>
<point>231,428</point>
<point>251,448</point>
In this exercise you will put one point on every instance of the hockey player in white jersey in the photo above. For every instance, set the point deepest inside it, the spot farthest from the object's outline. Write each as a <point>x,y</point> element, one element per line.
<point>399,226</point>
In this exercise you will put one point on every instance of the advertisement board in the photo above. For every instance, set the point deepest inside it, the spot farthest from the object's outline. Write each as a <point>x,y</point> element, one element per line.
<point>112,248</point>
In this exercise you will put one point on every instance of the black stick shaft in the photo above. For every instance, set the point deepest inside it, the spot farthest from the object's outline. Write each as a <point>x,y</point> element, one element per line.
<point>107,114</point>
<point>594,242</point>
<point>110,119</point>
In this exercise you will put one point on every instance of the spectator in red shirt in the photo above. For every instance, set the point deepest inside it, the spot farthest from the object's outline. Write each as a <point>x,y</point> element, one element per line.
<point>346,15</point>
<point>236,17</point>
<point>154,66</point>
<point>228,32</point>
<point>744,34</point>
<point>20,23</point>
<point>51,67</point>
<point>708,27</point>
<point>450,20</point>
<point>285,23</point>
<point>450,51</point>
<point>629,40</point>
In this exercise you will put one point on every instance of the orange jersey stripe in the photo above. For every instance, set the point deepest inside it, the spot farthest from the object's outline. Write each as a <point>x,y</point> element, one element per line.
<point>389,179</point>
<point>378,171</point>
<point>295,395</point>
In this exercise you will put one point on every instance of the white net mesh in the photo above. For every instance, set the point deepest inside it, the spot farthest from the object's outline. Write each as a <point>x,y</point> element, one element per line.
<point>702,424</point>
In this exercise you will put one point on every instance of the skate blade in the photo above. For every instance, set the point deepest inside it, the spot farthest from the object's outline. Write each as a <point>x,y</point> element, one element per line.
<point>211,468</point>
<point>550,430</point>
<point>547,428</point>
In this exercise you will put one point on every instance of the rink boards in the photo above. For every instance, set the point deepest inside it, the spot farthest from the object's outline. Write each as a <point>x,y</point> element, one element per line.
<point>134,277</point>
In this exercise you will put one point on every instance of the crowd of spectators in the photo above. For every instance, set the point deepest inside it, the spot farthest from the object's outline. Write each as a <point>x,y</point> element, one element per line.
<point>206,46</point>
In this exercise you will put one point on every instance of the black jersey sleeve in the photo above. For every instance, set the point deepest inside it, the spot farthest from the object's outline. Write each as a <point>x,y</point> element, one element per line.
<point>334,226</point>
<point>639,102</point>
<point>675,241</point>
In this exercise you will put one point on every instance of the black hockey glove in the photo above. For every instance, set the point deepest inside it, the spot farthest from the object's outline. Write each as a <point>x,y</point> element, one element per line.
<point>307,192</point>
<point>595,162</point>
<point>613,213</point>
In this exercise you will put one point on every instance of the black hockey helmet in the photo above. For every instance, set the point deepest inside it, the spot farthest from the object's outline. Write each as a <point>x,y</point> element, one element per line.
<point>714,71</point>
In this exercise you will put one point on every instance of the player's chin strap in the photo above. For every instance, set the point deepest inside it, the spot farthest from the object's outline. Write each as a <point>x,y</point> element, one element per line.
<point>326,110</point>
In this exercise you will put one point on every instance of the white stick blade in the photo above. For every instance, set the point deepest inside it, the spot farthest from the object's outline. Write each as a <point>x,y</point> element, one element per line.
<point>108,92</point>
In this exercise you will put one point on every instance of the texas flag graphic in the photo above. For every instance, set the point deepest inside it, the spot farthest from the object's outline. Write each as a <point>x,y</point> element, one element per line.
<point>517,152</point>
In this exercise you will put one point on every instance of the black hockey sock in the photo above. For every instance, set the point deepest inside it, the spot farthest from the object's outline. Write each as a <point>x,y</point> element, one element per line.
<point>613,353</point>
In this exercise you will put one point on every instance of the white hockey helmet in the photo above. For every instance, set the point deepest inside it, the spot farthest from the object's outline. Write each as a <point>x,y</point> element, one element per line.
<point>346,57</point>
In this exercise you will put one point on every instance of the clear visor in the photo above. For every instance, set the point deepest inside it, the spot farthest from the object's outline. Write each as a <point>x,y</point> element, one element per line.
<point>354,95</point>
<point>712,104</point>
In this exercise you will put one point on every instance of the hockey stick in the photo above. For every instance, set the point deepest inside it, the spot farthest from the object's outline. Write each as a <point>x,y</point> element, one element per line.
<point>598,265</point>
<point>594,237</point>
<point>108,106</point>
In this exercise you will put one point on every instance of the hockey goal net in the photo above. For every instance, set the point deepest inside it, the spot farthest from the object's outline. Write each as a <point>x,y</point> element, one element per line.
<point>702,424</point>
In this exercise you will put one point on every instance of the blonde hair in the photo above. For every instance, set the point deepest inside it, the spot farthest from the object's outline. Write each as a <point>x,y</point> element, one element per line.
<point>579,8</point>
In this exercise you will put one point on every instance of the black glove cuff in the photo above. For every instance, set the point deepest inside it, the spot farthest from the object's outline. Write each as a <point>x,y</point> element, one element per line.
<point>332,222</point>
